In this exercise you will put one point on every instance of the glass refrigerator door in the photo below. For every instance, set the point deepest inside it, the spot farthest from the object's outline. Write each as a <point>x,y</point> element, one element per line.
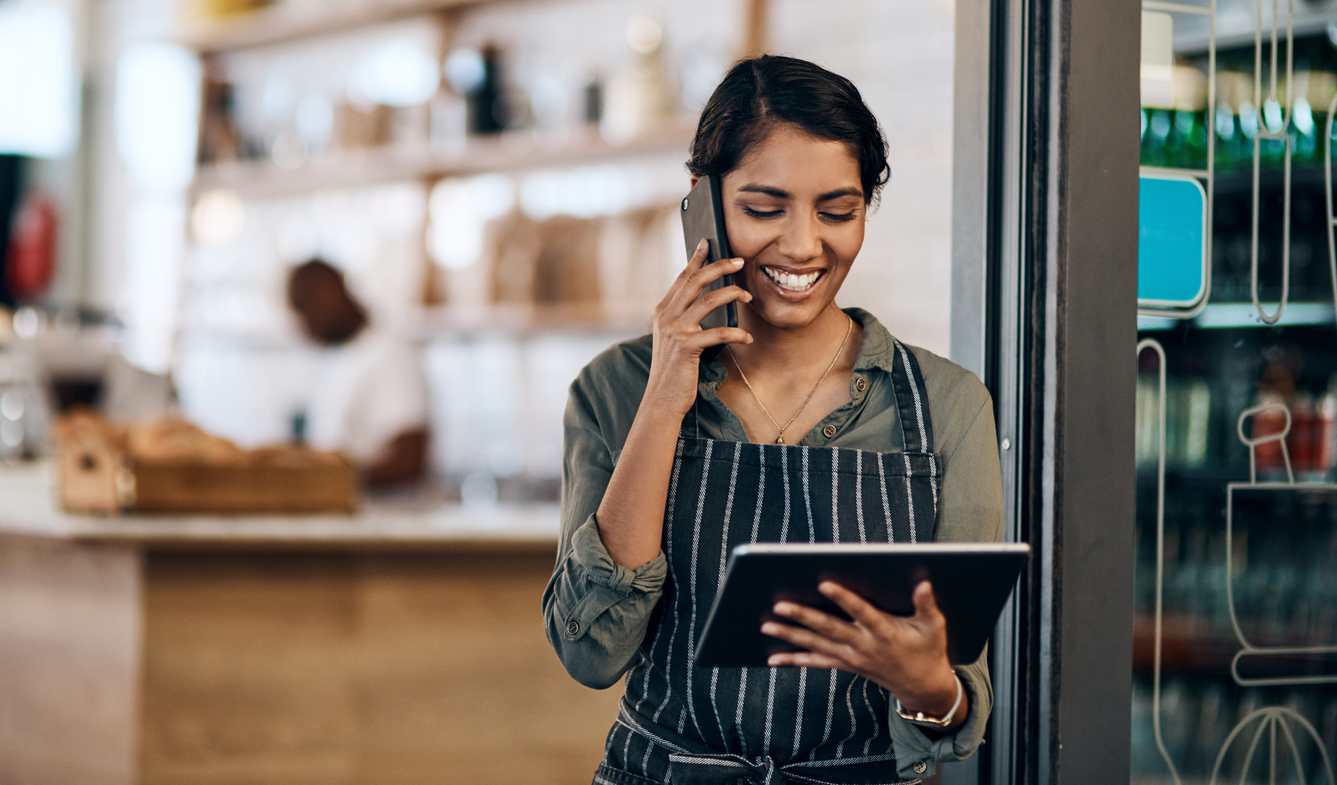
<point>1235,640</point>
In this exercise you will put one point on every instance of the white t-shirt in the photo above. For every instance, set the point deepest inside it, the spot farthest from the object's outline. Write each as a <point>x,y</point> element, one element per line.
<point>367,392</point>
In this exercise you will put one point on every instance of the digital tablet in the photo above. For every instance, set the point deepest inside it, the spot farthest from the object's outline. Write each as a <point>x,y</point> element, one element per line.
<point>971,582</point>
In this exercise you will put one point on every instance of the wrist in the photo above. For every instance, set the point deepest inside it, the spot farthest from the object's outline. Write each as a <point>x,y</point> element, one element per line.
<point>663,402</point>
<point>945,722</point>
<point>936,697</point>
<point>653,416</point>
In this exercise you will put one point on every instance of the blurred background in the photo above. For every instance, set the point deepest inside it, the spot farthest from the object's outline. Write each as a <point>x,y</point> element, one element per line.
<point>344,257</point>
<point>495,180</point>
<point>1239,96</point>
<point>232,231</point>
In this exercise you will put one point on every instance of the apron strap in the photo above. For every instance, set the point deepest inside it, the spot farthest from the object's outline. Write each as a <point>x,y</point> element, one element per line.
<point>714,769</point>
<point>691,763</point>
<point>691,769</point>
<point>916,425</point>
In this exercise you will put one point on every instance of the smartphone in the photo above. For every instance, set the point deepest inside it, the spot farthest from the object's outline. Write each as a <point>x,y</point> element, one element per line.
<point>703,216</point>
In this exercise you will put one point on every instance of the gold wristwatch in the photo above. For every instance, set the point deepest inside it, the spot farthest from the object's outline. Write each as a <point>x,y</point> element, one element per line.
<point>920,718</point>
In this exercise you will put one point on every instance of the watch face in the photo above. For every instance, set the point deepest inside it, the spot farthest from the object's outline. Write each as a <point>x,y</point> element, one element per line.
<point>920,718</point>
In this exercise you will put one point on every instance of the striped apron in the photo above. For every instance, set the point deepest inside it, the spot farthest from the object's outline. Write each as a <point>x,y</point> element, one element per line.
<point>680,723</point>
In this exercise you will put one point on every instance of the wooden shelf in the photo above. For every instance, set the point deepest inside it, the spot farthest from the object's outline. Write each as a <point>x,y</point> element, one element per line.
<point>282,23</point>
<point>1188,648</point>
<point>527,320</point>
<point>508,151</point>
<point>444,321</point>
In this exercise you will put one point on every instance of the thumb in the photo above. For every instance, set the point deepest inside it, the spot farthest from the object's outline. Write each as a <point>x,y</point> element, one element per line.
<point>926,604</point>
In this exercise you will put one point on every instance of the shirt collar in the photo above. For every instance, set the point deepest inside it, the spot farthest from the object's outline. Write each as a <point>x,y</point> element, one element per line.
<point>878,350</point>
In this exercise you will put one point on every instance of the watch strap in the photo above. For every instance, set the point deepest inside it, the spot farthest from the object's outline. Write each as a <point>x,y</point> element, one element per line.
<point>920,718</point>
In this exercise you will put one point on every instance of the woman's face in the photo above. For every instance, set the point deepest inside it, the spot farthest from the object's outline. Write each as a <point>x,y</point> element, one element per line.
<point>794,209</point>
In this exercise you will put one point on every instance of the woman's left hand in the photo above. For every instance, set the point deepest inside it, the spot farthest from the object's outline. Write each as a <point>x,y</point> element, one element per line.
<point>907,655</point>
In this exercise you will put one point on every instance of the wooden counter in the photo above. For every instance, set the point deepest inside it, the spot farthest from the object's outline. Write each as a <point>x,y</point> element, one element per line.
<point>399,645</point>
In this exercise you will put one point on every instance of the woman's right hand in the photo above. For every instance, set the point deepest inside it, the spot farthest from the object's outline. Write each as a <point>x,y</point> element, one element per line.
<point>678,337</point>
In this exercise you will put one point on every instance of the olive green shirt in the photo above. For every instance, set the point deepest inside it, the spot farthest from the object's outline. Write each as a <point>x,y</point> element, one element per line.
<point>597,612</point>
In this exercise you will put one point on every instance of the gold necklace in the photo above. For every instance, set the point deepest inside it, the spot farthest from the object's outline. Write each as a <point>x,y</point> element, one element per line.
<point>781,438</point>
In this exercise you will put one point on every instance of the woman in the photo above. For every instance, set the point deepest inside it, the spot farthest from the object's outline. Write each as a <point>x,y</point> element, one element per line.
<point>812,424</point>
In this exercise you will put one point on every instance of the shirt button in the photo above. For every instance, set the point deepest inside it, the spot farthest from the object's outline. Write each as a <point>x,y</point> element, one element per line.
<point>829,431</point>
<point>573,628</point>
<point>861,384</point>
<point>920,767</point>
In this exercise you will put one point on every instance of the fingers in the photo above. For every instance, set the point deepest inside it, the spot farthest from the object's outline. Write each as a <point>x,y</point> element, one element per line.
<point>717,299</point>
<point>719,335</point>
<point>824,624</point>
<point>698,257</point>
<point>803,638</point>
<point>925,602</point>
<point>857,607</point>
<point>697,277</point>
<point>695,262</point>
<point>805,659</point>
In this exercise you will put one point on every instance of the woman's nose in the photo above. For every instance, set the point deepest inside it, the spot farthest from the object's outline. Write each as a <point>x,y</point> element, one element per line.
<point>801,240</point>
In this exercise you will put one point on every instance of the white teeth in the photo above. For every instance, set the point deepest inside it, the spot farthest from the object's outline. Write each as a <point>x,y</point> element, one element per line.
<point>790,281</point>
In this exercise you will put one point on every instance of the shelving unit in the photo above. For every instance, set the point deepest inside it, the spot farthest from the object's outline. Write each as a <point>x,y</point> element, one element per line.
<point>281,23</point>
<point>1184,649</point>
<point>504,152</point>
<point>521,321</point>
<point>1187,649</point>
<point>545,285</point>
<point>1232,315</point>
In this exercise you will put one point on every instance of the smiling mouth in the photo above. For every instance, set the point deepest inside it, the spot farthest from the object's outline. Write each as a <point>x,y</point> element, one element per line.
<point>792,282</point>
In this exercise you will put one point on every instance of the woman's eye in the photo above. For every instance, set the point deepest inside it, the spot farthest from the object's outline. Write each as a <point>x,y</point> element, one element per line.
<point>760,213</point>
<point>839,217</point>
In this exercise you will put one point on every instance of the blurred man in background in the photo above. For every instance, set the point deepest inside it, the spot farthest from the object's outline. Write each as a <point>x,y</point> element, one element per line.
<point>370,401</point>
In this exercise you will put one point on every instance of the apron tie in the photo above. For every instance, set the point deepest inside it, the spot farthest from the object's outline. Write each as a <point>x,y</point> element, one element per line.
<point>690,769</point>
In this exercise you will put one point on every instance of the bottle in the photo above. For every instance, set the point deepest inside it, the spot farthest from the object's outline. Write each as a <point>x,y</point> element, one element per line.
<point>1300,441</point>
<point>594,100</point>
<point>1227,129</point>
<point>1188,141</point>
<point>1326,430</point>
<point>484,97</point>
<point>1198,412</point>
<point>641,97</point>
<point>1156,141</point>
<point>1269,422</point>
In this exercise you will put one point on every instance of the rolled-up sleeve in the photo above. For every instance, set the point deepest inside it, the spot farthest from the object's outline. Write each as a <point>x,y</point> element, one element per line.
<point>596,612</point>
<point>914,748</point>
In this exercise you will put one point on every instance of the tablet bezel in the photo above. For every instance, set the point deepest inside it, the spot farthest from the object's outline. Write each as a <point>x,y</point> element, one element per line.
<point>760,574</point>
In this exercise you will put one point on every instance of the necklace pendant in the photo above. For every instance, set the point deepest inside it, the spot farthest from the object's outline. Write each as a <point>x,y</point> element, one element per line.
<point>780,439</point>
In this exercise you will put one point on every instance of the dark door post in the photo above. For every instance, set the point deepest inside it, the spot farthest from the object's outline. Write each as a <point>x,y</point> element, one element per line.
<point>1044,307</point>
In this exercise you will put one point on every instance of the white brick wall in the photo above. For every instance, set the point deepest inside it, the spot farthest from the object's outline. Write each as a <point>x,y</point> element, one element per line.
<point>899,54</point>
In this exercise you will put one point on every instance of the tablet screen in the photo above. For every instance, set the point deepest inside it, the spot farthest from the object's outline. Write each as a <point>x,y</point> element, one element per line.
<point>971,582</point>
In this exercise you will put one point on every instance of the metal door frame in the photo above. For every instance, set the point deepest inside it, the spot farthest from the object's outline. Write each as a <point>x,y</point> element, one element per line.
<point>1044,304</point>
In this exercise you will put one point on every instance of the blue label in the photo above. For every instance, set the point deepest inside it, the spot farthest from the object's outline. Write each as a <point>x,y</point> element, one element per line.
<point>1171,241</point>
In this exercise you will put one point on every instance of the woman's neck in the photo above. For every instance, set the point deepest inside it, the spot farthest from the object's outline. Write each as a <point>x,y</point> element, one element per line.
<point>777,353</point>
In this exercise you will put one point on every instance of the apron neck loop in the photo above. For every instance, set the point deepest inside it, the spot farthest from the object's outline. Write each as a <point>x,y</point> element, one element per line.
<point>911,400</point>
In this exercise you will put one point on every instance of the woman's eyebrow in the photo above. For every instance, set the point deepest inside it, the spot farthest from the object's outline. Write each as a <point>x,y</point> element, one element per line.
<point>768,190</point>
<point>779,193</point>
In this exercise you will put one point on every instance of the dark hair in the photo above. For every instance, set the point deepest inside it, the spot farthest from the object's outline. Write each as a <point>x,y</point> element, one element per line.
<point>305,279</point>
<point>328,311</point>
<point>761,93</point>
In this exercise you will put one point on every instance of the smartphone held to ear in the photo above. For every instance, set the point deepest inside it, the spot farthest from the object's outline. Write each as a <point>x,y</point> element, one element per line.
<point>703,217</point>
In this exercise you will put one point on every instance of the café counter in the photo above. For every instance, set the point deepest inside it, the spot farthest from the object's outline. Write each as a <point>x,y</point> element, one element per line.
<point>400,644</point>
